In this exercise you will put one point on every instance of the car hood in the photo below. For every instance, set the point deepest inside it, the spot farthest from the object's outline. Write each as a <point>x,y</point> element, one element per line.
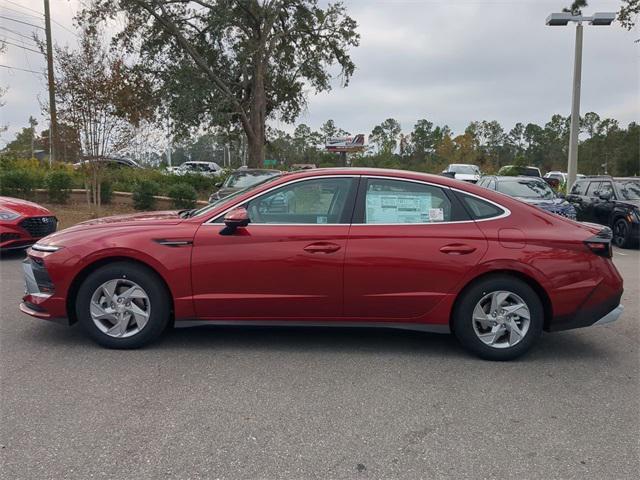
<point>23,207</point>
<point>633,203</point>
<point>144,218</point>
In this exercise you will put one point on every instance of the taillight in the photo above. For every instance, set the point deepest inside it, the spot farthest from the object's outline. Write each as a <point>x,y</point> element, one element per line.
<point>600,243</point>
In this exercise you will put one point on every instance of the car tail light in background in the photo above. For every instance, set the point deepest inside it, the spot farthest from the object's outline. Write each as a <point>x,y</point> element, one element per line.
<point>600,243</point>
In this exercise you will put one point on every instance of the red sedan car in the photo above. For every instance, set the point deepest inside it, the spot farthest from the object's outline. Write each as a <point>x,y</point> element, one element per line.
<point>22,223</point>
<point>357,247</point>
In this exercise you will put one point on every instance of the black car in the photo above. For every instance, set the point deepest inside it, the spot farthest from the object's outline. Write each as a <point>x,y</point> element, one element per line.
<point>531,190</point>
<point>614,202</point>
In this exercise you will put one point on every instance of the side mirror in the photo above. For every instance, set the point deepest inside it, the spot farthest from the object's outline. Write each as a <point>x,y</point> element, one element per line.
<point>235,219</point>
<point>606,196</point>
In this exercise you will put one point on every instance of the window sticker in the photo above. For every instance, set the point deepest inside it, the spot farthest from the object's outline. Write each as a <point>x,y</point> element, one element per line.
<point>436,214</point>
<point>400,207</point>
<point>321,219</point>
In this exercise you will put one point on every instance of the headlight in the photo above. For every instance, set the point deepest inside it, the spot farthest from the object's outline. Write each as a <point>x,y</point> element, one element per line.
<point>7,215</point>
<point>45,248</point>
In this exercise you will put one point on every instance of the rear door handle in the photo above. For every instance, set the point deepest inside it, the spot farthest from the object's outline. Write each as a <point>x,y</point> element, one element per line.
<point>322,247</point>
<point>457,249</point>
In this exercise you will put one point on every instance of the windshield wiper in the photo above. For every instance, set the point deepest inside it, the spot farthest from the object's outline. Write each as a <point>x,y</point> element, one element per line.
<point>187,213</point>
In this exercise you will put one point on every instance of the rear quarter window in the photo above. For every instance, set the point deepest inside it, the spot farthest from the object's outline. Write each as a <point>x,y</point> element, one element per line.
<point>480,209</point>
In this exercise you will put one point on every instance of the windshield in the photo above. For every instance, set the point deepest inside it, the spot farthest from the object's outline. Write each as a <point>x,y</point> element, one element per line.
<point>470,169</point>
<point>526,189</point>
<point>630,190</point>
<point>226,199</point>
<point>246,179</point>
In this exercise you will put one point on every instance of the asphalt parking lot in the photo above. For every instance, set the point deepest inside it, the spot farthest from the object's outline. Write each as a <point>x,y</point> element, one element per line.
<point>316,403</point>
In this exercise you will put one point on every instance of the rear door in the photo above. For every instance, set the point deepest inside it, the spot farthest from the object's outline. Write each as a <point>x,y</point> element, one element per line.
<point>409,246</point>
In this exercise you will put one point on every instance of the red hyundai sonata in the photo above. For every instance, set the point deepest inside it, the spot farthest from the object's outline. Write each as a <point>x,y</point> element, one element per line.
<point>22,223</point>
<point>356,247</point>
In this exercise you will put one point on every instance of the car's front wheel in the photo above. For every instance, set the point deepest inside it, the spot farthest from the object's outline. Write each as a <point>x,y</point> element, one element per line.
<point>498,318</point>
<point>123,305</point>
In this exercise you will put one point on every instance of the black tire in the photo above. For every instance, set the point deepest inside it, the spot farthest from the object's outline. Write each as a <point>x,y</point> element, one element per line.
<point>622,233</point>
<point>149,281</point>
<point>463,317</point>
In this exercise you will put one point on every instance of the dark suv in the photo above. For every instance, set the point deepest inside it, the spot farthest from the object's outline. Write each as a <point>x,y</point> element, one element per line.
<point>614,202</point>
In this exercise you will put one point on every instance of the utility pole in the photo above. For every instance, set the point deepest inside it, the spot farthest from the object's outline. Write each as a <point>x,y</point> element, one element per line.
<point>574,129</point>
<point>53,127</point>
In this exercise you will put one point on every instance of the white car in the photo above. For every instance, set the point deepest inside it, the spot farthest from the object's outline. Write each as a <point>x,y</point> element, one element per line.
<point>210,169</point>
<point>560,176</point>
<point>463,171</point>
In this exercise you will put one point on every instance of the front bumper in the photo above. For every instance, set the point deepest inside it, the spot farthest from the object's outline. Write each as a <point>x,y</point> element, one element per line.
<point>39,296</point>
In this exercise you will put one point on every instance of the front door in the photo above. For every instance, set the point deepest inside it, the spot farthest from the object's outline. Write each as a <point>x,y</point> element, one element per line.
<point>286,264</point>
<point>409,247</point>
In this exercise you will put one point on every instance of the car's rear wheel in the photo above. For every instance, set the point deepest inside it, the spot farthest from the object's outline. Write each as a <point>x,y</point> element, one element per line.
<point>498,318</point>
<point>123,305</point>
<point>622,233</point>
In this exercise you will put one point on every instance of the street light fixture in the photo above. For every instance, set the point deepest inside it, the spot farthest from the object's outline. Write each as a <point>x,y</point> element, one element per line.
<point>563,19</point>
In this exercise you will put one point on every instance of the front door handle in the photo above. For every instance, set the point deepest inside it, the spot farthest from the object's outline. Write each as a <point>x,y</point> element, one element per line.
<point>458,249</point>
<point>322,247</point>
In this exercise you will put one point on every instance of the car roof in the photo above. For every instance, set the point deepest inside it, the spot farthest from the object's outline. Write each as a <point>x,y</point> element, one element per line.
<point>256,170</point>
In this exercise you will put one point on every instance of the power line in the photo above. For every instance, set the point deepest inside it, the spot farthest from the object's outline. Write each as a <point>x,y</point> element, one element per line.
<point>26,8</point>
<point>21,69</point>
<point>20,12</point>
<point>41,15</point>
<point>20,21</point>
<point>20,46</point>
<point>17,33</point>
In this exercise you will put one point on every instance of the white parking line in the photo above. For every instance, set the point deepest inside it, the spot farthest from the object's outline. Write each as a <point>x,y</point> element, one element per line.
<point>620,253</point>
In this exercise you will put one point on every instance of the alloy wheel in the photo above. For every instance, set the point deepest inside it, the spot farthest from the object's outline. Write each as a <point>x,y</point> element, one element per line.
<point>120,308</point>
<point>620,233</point>
<point>501,319</point>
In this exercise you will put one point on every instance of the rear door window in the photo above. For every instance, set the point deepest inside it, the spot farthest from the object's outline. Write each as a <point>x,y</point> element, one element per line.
<point>593,187</point>
<point>402,202</point>
<point>579,188</point>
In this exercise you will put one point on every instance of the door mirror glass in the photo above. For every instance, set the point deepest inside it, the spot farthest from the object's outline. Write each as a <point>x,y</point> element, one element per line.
<point>234,219</point>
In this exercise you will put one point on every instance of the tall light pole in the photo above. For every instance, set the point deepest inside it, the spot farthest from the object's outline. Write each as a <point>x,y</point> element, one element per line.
<point>563,19</point>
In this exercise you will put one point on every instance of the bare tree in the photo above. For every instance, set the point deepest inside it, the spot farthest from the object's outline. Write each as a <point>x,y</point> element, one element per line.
<point>101,99</point>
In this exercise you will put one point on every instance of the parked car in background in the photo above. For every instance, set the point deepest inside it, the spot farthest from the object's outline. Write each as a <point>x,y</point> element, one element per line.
<point>350,246</point>
<point>241,179</point>
<point>532,190</point>
<point>22,223</point>
<point>560,176</point>
<point>112,162</point>
<point>303,166</point>
<point>516,170</point>
<point>463,171</point>
<point>211,169</point>
<point>614,202</point>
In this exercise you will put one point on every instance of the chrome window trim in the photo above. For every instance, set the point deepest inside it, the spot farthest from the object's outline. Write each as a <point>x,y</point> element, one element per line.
<point>238,205</point>
<point>505,210</point>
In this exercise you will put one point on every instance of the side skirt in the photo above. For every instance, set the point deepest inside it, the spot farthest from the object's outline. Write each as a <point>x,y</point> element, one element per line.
<point>419,327</point>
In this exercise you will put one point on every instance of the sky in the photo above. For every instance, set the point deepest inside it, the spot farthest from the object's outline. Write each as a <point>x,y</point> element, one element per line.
<point>449,61</point>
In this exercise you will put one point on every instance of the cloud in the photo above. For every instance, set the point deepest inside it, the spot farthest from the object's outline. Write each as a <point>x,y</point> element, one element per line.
<point>450,61</point>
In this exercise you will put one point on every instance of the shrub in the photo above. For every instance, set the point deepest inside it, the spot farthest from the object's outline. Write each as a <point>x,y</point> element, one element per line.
<point>200,183</point>
<point>106,192</point>
<point>20,182</point>
<point>59,184</point>
<point>143,195</point>
<point>183,195</point>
